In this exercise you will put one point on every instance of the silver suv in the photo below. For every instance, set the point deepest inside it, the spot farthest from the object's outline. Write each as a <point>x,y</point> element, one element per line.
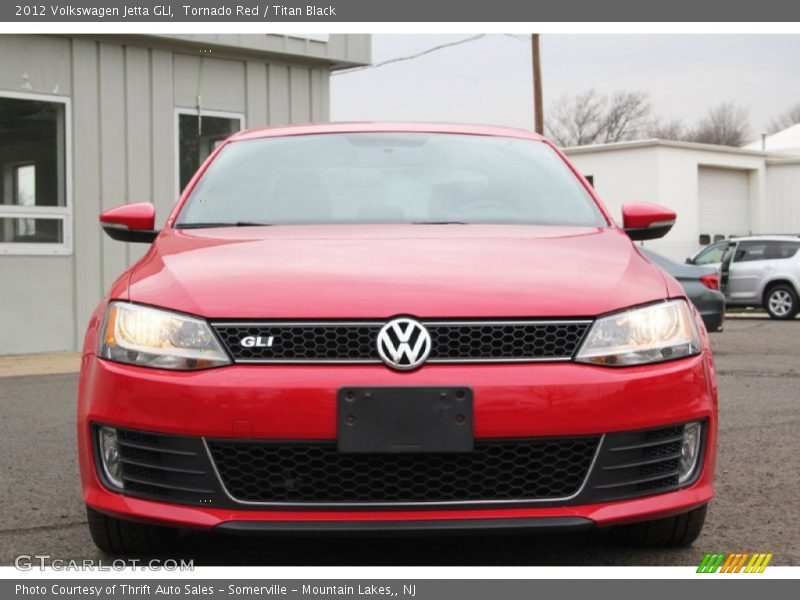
<point>759,270</point>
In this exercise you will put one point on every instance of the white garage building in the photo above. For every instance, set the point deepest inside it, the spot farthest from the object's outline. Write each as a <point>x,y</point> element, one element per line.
<point>717,191</point>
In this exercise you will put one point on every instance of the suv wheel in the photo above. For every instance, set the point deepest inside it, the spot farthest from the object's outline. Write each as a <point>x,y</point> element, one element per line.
<point>672,532</point>
<point>115,536</point>
<point>780,302</point>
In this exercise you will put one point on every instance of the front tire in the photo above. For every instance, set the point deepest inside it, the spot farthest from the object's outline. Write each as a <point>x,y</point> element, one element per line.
<point>118,537</point>
<point>781,303</point>
<point>672,532</point>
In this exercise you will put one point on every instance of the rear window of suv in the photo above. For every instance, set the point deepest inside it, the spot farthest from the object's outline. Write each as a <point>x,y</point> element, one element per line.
<point>389,178</point>
<point>782,250</point>
<point>765,250</point>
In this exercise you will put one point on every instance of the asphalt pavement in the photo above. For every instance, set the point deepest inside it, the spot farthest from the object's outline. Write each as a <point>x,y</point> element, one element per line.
<point>756,508</point>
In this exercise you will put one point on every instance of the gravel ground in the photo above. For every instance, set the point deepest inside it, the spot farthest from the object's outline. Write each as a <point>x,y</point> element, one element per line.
<point>755,510</point>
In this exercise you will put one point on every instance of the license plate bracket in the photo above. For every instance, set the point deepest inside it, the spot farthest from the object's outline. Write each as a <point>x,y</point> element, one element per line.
<point>405,419</point>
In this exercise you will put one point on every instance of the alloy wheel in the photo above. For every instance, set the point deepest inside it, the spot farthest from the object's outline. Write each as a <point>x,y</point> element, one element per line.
<point>780,303</point>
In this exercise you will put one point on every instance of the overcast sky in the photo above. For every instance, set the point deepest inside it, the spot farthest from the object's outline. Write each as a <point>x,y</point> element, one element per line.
<point>489,80</point>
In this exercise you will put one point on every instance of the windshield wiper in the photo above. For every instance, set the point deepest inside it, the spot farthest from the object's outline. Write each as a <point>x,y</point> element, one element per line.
<point>235,224</point>
<point>439,223</point>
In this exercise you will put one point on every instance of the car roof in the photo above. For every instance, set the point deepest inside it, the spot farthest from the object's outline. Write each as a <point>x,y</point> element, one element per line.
<point>779,237</point>
<point>397,127</point>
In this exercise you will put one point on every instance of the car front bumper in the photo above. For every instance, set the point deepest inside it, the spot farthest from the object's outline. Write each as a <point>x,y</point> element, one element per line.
<point>546,400</point>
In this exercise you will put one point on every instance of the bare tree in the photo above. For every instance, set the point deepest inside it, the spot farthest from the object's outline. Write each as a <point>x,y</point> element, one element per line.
<point>668,130</point>
<point>725,124</point>
<point>576,120</point>
<point>790,117</point>
<point>626,116</point>
<point>592,118</point>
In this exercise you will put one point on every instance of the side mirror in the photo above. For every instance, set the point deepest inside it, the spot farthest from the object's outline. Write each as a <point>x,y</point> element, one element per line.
<point>130,223</point>
<point>647,221</point>
<point>690,261</point>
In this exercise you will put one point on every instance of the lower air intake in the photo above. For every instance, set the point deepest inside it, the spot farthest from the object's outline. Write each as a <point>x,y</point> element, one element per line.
<point>314,472</point>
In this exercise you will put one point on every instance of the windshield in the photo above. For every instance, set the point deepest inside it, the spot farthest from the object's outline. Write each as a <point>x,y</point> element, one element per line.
<point>389,178</point>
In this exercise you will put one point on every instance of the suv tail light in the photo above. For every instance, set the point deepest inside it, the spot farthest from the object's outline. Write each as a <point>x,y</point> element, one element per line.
<point>710,281</point>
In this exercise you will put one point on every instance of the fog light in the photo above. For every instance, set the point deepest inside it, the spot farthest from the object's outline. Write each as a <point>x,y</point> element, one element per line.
<point>109,455</point>
<point>690,451</point>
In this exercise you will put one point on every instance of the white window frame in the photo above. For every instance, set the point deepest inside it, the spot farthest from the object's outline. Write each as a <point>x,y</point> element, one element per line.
<point>196,113</point>
<point>62,213</point>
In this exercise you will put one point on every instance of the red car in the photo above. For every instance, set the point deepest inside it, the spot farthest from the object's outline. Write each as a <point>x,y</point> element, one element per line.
<point>394,328</point>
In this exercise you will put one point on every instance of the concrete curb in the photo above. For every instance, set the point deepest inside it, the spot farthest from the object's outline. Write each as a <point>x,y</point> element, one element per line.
<point>39,364</point>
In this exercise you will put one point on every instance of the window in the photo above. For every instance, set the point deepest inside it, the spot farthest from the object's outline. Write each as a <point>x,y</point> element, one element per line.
<point>199,134</point>
<point>712,254</point>
<point>782,250</point>
<point>34,205</point>
<point>750,251</point>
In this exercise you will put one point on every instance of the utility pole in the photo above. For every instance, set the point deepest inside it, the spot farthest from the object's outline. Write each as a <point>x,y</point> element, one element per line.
<point>538,109</point>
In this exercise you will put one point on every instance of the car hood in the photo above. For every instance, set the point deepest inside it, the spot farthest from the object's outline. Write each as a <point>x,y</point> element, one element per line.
<point>377,271</point>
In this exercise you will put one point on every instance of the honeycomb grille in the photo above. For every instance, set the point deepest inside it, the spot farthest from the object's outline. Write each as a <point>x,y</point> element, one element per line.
<point>668,449</point>
<point>315,472</point>
<point>664,432</point>
<point>451,342</point>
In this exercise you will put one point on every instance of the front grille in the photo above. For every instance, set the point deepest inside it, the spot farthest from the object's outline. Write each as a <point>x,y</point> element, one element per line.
<point>451,342</point>
<point>315,472</point>
<point>559,471</point>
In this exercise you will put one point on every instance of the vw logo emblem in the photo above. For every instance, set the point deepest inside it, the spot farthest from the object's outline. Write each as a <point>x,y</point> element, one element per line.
<point>404,344</point>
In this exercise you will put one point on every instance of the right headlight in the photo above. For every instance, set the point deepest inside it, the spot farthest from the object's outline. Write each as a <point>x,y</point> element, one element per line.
<point>158,338</point>
<point>651,334</point>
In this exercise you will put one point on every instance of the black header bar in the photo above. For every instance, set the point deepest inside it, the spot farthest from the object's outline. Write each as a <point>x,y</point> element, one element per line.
<point>441,11</point>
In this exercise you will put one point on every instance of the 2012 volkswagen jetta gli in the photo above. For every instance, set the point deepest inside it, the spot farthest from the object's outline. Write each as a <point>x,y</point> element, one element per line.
<point>394,327</point>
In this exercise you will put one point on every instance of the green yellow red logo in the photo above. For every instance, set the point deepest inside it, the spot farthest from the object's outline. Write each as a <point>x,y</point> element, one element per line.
<point>739,562</point>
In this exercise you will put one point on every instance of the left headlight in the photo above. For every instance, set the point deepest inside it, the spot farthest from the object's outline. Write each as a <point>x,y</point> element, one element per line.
<point>161,339</point>
<point>638,336</point>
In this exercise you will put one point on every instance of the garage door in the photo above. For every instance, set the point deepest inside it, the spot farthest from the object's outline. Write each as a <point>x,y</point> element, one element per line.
<point>724,202</point>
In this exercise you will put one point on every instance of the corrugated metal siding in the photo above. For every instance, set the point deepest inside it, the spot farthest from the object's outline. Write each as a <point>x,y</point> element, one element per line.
<point>88,239</point>
<point>124,97</point>
<point>35,63</point>
<point>783,198</point>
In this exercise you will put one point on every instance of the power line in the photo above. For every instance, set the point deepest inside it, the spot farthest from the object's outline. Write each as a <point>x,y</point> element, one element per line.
<point>522,37</point>
<point>412,56</point>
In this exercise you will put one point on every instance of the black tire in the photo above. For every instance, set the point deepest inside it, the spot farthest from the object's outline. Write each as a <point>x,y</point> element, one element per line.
<point>672,532</point>
<point>780,302</point>
<point>118,537</point>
